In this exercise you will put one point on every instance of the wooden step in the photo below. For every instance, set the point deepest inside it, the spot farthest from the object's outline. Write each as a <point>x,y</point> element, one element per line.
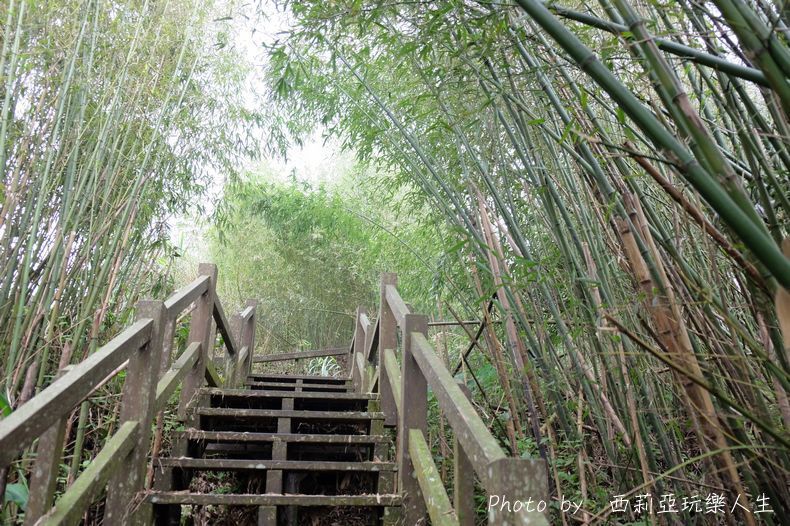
<point>312,388</point>
<point>247,393</point>
<point>204,499</point>
<point>346,416</point>
<point>259,377</point>
<point>217,464</point>
<point>232,436</point>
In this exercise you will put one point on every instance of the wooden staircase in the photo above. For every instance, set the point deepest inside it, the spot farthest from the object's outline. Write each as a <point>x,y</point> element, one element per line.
<point>289,450</point>
<point>263,448</point>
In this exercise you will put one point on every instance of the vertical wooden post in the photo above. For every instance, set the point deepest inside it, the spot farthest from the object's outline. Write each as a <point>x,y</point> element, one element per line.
<point>358,374</point>
<point>388,339</point>
<point>464,475</point>
<point>137,404</point>
<point>413,416</point>
<point>200,330</point>
<point>232,373</point>
<point>248,340</point>
<point>44,474</point>
<point>519,479</point>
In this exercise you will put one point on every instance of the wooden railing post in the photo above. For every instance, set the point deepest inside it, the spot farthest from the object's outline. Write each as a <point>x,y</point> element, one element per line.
<point>246,339</point>
<point>232,374</point>
<point>388,339</point>
<point>44,475</point>
<point>413,416</point>
<point>137,404</point>
<point>464,479</point>
<point>200,330</point>
<point>358,373</point>
<point>519,480</point>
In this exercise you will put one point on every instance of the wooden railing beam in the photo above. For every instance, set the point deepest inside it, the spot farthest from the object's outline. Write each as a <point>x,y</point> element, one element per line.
<point>392,374</point>
<point>467,425</point>
<point>225,328</point>
<point>183,297</point>
<point>437,502</point>
<point>396,304</point>
<point>170,380</point>
<point>358,349</point>
<point>19,429</point>
<point>72,505</point>
<point>463,478</point>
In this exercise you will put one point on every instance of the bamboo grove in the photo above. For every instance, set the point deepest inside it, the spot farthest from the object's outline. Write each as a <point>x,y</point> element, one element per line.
<point>112,117</point>
<point>616,174</point>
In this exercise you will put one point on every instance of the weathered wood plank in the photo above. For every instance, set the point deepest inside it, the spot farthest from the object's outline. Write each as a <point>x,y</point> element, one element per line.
<point>224,328</point>
<point>70,507</point>
<point>393,376</point>
<point>177,497</point>
<point>364,322</point>
<point>359,361</point>
<point>240,436</point>
<point>436,500</point>
<point>246,393</point>
<point>304,377</point>
<point>247,312</point>
<point>299,355</point>
<point>44,475</point>
<point>414,416</point>
<point>223,464</point>
<point>396,303</point>
<point>167,385</point>
<point>212,378</point>
<point>464,480</point>
<point>200,330</point>
<point>327,387</point>
<point>279,413</point>
<point>387,339</point>
<point>137,405</point>
<point>371,343</point>
<point>19,429</point>
<point>473,434</point>
<point>180,299</point>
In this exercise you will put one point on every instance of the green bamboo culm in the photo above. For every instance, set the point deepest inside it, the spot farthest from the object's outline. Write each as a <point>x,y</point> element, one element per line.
<point>625,212</point>
<point>752,235</point>
<point>107,129</point>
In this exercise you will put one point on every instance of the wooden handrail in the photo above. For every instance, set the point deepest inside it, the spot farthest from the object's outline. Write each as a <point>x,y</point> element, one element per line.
<point>365,322</point>
<point>79,496</point>
<point>438,503</point>
<point>371,348</point>
<point>247,313</point>
<point>141,349</point>
<point>19,429</point>
<point>224,328</point>
<point>183,297</point>
<point>396,303</point>
<point>392,370</point>
<point>167,385</point>
<point>403,389</point>
<point>470,429</point>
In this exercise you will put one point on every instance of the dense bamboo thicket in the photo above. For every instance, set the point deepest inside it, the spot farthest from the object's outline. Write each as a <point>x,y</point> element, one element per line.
<point>616,175</point>
<point>312,253</point>
<point>113,117</point>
